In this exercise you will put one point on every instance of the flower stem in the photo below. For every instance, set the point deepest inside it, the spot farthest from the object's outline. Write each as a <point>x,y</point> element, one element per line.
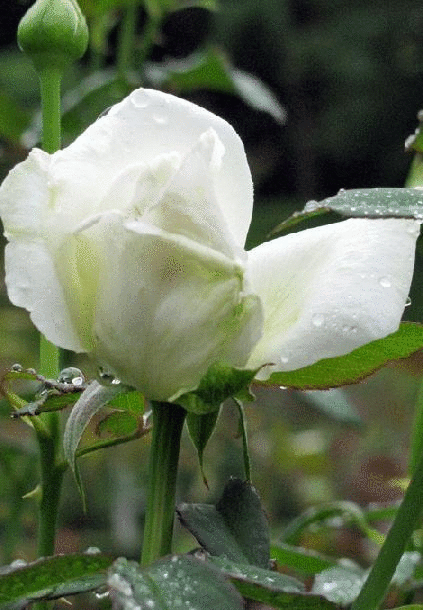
<point>375,588</point>
<point>126,39</point>
<point>50,80</point>
<point>168,421</point>
<point>49,440</point>
<point>416,449</point>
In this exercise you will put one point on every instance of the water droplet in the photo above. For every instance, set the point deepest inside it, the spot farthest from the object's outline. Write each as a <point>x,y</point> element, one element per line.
<point>385,282</point>
<point>16,368</point>
<point>284,359</point>
<point>31,371</point>
<point>341,191</point>
<point>107,378</point>
<point>283,387</point>
<point>318,319</point>
<point>92,550</point>
<point>407,302</point>
<point>71,375</point>
<point>160,119</point>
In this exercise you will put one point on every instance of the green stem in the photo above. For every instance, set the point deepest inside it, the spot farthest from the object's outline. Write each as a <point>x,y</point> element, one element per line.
<point>126,40</point>
<point>406,520</point>
<point>168,421</point>
<point>50,80</point>
<point>416,449</point>
<point>49,441</point>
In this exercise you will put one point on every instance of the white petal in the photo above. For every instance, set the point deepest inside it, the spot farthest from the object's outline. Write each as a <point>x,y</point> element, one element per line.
<point>167,309</point>
<point>145,125</point>
<point>328,290</point>
<point>24,195</point>
<point>32,282</point>
<point>189,203</point>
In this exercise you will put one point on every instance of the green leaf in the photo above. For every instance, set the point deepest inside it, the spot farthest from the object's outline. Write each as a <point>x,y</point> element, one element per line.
<point>358,364</point>
<point>299,559</point>
<point>91,401</point>
<point>134,402</point>
<point>235,528</point>
<point>53,577</point>
<point>200,428</point>
<point>118,423</point>
<point>362,203</point>
<point>339,585</point>
<point>211,70</point>
<point>175,582</point>
<point>219,383</point>
<point>272,588</point>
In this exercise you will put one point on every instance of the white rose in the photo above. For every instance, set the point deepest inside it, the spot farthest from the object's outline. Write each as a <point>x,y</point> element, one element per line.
<point>129,245</point>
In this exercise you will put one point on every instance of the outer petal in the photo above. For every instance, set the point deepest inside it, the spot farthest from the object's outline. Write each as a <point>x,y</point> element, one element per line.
<point>328,290</point>
<point>167,309</point>
<point>143,126</point>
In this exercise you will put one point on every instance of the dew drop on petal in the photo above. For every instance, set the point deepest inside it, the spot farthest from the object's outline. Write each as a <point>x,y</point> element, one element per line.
<point>385,282</point>
<point>407,302</point>
<point>160,119</point>
<point>284,359</point>
<point>318,319</point>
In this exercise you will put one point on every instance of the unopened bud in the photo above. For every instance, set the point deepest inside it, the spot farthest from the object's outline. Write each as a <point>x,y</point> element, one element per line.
<point>53,33</point>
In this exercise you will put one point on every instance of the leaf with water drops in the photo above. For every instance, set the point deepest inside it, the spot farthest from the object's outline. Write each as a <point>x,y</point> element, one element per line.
<point>305,561</point>
<point>52,577</point>
<point>271,588</point>
<point>236,528</point>
<point>355,366</point>
<point>172,583</point>
<point>340,585</point>
<point>361,203</point>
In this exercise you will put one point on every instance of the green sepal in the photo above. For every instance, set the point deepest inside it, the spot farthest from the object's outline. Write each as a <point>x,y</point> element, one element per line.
<point>219,383</point>
<point>200,428</point>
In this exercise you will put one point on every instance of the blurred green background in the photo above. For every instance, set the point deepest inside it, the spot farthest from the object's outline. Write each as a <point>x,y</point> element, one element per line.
<point>323,94</point>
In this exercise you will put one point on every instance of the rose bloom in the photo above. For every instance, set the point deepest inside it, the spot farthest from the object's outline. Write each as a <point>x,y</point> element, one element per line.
<point>129,245</point>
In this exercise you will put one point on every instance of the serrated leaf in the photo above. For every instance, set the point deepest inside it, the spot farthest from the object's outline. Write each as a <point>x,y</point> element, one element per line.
<point>218,384</point>
<point>339,585</point>
<point>355,366</point>
<point>235,528</point>
<point>362,203</point>
<point>53,577</point>
<point>174,582</point>
<point>302,560</point>
<point>271,588</point>
<point>94,397</point>
<point>200,428</point>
